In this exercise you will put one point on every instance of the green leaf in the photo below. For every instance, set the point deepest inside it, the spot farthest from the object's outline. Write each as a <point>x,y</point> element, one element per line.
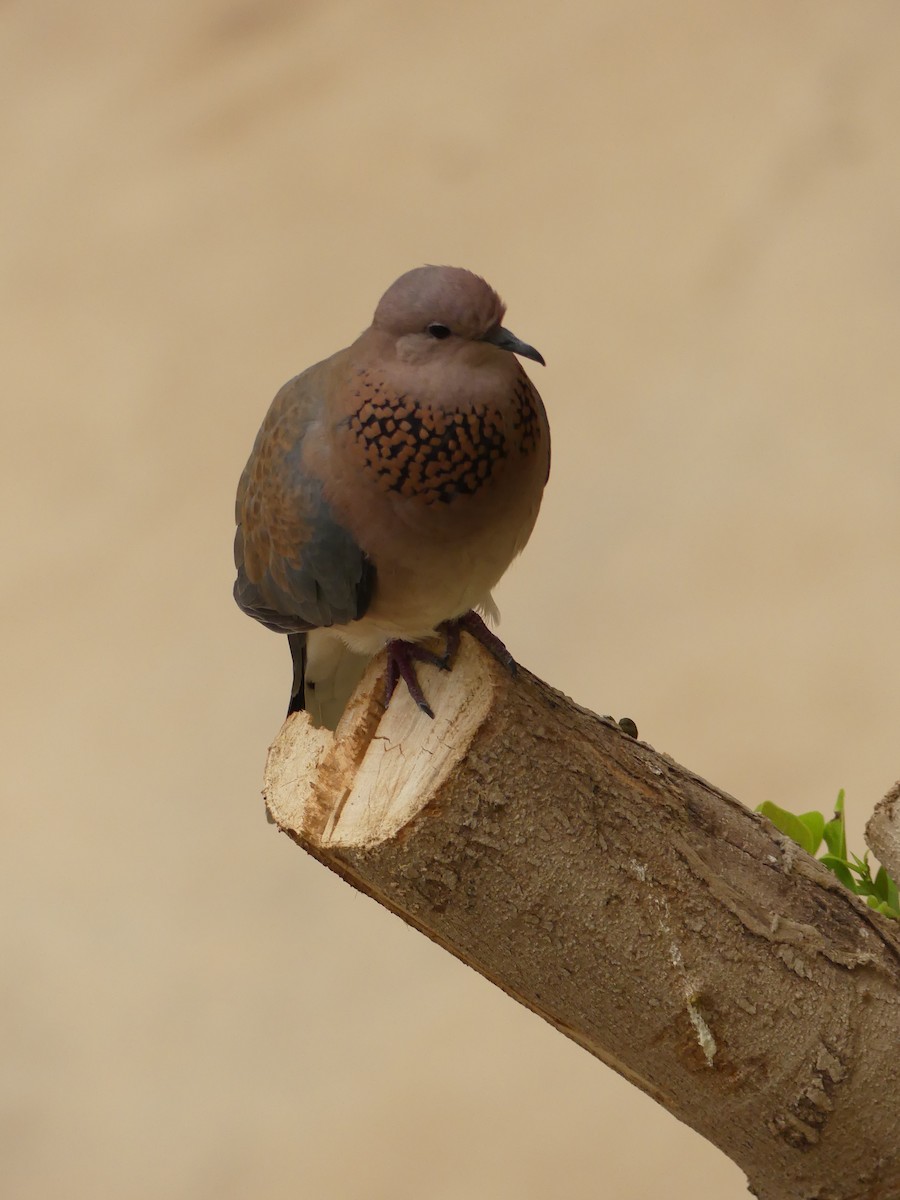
<point>893,894</point>
<point>790,825</point>
<point>865,887</point>
<point>855,873</point>
<point>861,867</point>
<point>835,832</point>
<point>815,824</point>
<point>882,885</point>
<point>841,868</point>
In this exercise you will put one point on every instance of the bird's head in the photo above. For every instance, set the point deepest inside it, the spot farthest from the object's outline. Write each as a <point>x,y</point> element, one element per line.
<point>432,311</point>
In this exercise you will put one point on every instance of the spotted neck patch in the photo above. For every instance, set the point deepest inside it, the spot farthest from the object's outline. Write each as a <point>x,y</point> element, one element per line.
<point>437,454</point>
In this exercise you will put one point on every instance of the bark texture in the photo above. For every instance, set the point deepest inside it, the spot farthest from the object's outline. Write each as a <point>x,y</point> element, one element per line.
<point>883,832</point>
<point>646,914</point>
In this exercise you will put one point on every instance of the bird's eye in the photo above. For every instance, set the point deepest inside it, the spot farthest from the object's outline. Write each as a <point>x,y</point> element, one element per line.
<point>437,330</point>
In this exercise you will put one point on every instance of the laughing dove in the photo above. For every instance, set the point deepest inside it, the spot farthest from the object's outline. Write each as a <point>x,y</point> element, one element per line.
<point>390,487</point>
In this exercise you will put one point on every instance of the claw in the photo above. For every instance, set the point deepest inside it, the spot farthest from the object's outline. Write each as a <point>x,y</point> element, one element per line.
<point>402,657</point>
<point>474,625</point>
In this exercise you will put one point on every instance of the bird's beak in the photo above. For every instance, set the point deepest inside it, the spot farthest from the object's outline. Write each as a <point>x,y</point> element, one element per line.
<point>508,341</point>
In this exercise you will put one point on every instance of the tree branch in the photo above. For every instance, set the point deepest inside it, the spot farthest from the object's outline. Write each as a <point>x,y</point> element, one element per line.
<point>647,915</point>
<point>883,832</point>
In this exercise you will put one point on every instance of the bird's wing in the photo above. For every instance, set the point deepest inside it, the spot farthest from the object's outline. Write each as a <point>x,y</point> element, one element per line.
<point>298,568</point>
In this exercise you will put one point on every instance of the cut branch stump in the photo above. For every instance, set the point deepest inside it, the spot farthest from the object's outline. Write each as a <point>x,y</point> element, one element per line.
<point>646,914</point>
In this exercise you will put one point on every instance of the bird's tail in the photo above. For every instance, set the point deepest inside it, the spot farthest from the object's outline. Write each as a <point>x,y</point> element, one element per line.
<point>324,680</point>
<point>332,672</point>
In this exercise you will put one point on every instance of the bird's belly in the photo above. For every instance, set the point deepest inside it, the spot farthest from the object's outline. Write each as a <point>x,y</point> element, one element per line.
<point>437,551</point>
<point>411,608</point>
<point>423,581</point>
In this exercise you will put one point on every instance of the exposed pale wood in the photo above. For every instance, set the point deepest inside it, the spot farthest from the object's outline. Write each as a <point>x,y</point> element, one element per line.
<point>649,916</point>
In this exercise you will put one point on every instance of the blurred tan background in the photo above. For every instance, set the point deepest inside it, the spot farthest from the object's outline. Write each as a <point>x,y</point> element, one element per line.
<point>692,210</point>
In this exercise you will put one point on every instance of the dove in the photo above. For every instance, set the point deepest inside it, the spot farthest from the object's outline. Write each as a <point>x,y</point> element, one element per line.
<point>389,488</point>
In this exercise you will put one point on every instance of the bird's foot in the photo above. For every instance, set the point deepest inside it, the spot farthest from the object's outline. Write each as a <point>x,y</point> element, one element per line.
<point>473,624</point>
<point>402,657</point>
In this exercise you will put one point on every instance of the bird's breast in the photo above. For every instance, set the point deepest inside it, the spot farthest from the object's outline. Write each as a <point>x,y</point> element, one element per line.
<point>440,497</point>
<point>435,454</point>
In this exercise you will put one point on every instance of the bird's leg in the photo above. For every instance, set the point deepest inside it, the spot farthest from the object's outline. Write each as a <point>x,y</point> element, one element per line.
<point>472,623</point>
<point>402,657</point>
<point>451,647</point>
